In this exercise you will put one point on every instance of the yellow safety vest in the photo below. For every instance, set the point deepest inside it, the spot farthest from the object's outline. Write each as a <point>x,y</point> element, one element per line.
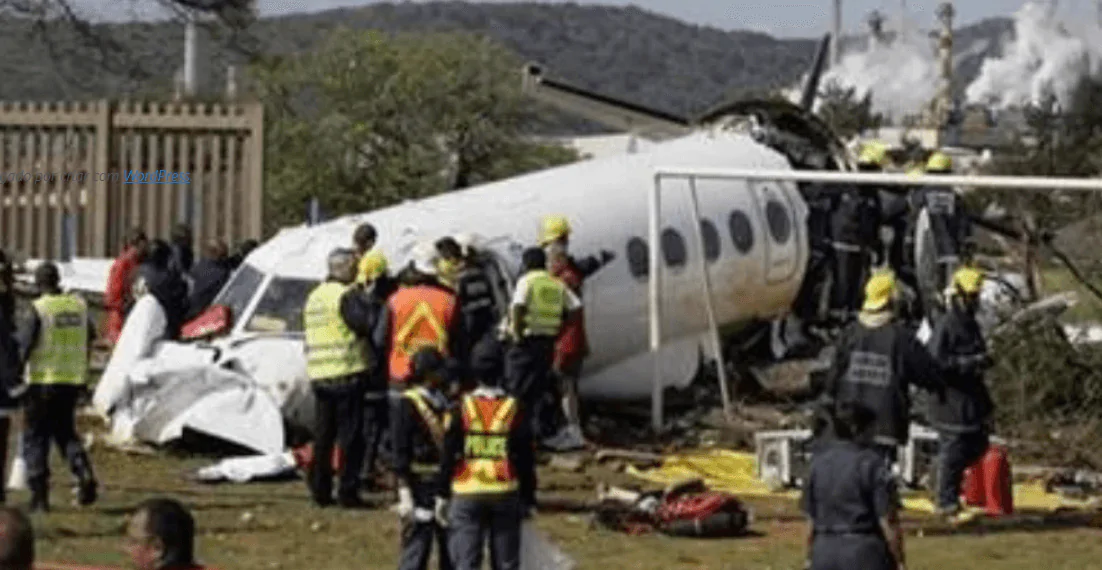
<point>485,467</point>
<point>60,355</point>
<point>332,349</point>
<point>544,304</point>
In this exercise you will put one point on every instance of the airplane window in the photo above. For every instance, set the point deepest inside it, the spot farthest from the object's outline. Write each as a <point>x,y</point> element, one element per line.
<point>240,290</point>
<point>779,225</point>
<point>742,233</point>
<point>280,307</point>
<point>638,258</point>
<point>710,235</point>
<point>673,248</point>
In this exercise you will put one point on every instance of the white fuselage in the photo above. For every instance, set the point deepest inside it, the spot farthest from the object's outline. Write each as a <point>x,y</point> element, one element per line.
<point>755,235</point>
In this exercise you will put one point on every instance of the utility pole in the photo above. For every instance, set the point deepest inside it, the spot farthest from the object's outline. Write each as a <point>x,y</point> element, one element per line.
<point>836,29</point>
<point>190,56</point>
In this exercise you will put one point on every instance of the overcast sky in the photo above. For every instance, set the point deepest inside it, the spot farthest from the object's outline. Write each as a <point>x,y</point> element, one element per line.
<point>777,17</point>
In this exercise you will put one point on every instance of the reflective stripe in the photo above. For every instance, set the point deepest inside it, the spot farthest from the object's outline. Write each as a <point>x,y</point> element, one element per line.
<point>409,343</point>
<point>432,421</point>
<point>869,368</point>
<point>544,304</point>
<point>60,355</point>
<point>941,202</point>
<point>485,467</point>
<point>332,349</point>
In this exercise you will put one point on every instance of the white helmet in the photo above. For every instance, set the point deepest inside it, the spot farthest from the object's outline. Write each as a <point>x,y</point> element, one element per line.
<point>423,257</point>
<point>466,241</point>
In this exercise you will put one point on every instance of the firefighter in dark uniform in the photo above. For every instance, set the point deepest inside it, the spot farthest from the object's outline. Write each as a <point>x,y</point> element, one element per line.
<point>876,362</point>
<point>949,222</point>
<point>855,238</point>
<point>420,417</point>
<point>961,416</point>
<point>473,291</point>
<point>489,471</point>
<point>541,304</point>
<point>340,362</point>
<point>372,280</point>
<point>852,500</point>
<point>55,347</point>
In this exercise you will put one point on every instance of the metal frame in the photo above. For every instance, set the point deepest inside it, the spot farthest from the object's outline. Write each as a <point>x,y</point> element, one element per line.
<point>828,176</point>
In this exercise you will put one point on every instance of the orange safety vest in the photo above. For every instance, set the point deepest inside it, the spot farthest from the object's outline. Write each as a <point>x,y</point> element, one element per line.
<point>420,316</point>
<point>485,468</point>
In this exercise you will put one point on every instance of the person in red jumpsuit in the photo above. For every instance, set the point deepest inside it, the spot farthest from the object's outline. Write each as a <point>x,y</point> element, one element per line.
<point>572,346</point>
<point>118,297</point>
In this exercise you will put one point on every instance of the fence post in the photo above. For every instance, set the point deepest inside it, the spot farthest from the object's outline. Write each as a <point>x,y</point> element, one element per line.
<point>254,196</point>
<point>99,200</point>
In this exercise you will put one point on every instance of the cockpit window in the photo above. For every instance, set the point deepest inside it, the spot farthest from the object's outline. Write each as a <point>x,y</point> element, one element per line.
<point>240,290</point>
<point>280,306</point>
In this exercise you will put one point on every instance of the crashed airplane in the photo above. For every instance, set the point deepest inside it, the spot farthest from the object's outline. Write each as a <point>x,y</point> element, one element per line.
<point>246,380</point>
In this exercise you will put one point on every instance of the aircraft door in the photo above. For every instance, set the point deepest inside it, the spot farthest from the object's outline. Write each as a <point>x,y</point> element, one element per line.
<point>777,212</point>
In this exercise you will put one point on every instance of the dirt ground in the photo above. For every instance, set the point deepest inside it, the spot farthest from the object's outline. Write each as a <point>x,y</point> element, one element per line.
<point>265,526</point>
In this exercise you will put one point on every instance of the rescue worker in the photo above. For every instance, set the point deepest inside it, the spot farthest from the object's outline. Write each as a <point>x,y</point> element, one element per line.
<point>961,415</point>
<point>855,237</point>
<point>183,255</point>
<point>418,424</point>
<point>421,313</point>
<point>876,362</point>
<point>488,469</point>
<point>341,363</point>
<point>372,280</point>
<point>161,536</point>
<point>475,295</point>
<point>118,296</point>
<point>373,265</point>
<point>449,258</point>
<point>55,347</point>
<point>540,306</point>
<point>572,346</point>
<point>160,279</point>
<point>9,359</point>
<point>851,499</point>
<point>949,222</point>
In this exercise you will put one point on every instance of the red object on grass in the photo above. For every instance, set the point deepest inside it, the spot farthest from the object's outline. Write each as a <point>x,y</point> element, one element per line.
<point>988,483</point>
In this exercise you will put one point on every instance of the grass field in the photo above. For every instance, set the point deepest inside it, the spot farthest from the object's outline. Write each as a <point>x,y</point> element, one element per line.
<point>267,526</point>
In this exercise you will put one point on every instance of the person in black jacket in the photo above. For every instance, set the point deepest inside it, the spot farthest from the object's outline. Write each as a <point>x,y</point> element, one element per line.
<point>9,360</point>
<point>876,362</point>
<point>159,279</point>
<point>961,415</point>
<point>208,276</point>
<point>183,256</point>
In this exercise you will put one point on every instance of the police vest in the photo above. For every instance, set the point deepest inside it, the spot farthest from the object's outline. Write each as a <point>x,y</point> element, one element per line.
<point>60,355</point>
<point>544,304</point>
<point>332,349</point>
<point>421,316</point>
<point>485,467</point>
<point>435,422</point>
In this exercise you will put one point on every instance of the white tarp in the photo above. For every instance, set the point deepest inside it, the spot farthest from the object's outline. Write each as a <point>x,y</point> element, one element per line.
<point>143,328</point>
<point>245,469</point>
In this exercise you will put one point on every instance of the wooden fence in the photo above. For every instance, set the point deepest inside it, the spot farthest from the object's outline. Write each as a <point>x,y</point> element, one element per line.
<point>74,177</point>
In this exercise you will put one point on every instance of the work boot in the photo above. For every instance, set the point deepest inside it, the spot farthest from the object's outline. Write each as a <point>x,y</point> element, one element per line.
<point>40,497</point>
<point>87,492</point>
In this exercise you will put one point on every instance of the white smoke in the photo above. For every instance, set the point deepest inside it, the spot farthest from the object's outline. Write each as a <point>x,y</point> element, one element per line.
<point>1046,57</point>
<point>902,76</point>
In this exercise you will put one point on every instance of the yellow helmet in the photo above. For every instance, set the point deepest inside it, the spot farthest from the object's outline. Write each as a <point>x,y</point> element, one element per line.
<point>916,170</point>
<point>968,280</point>
<point>372,265</point>
<point>873,153</point>
<point>554,227</point>
<point>939,162</point>
<point>879,291</point>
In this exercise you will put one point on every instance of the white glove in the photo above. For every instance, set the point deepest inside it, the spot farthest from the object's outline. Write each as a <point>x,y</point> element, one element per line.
<point>404,508</point>
<point>441,512</point>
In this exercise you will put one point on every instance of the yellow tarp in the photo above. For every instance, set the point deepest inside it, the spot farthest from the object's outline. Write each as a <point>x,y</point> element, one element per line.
<point>734,472</point>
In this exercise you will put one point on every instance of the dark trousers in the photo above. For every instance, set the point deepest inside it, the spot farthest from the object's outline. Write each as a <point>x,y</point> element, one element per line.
<point>474,523</point>
<point>418,537</point>
<point>956,451</point>
<point>851,551</point>
<point>848,288</point>
<point>339,416</point>
<point>376,420</point>
<point>50,416</point>
<point>528,375</point>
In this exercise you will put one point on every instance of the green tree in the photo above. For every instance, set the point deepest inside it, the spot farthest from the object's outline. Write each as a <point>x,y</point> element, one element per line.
<point>845,112</point>
<point>371,119</point>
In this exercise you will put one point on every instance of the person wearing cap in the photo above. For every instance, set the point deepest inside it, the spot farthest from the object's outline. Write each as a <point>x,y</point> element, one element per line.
<point>421,313</point>
<point>961,415</point>
<point>488,470</point>
<point>949,222</point>
<point>855,236</point>
<point>541,304</point>
<point>341,362</point>
<point>375,284</point>
<point>473,290</point>
<point>876,361</point>
<point>420,417</point>
<point>572,345</point>
<point>55,345</point>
